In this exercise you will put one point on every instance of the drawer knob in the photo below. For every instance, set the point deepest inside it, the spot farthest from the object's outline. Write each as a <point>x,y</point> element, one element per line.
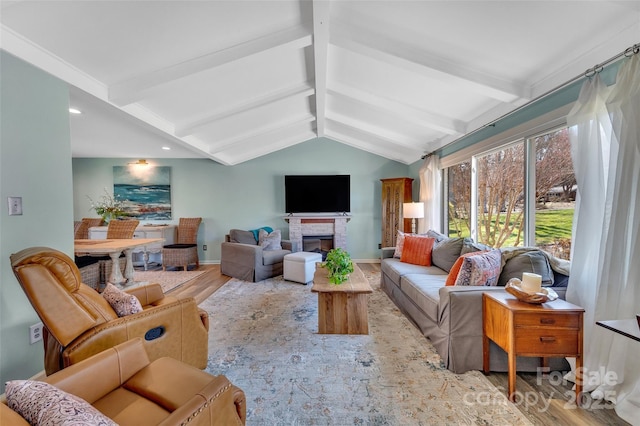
<point>547,321</point>
<point>547,339</point>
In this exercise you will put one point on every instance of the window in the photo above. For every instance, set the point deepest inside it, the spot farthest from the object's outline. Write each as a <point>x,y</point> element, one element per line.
<point>458,180</point>
<point>500,197</point>
<point>555,192</point>
<point>520,194</point>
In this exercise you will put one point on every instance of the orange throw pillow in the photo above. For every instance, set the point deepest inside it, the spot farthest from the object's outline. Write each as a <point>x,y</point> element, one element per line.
<point>417,250</point>
<point>455,269</point>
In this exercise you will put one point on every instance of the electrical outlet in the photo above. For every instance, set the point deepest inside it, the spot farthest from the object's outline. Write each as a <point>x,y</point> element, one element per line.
<point>204,247</point>
<point>35,333</point>
<point>380,245</point>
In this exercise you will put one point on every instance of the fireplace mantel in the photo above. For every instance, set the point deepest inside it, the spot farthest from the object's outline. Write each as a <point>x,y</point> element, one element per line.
<point>304,226</point>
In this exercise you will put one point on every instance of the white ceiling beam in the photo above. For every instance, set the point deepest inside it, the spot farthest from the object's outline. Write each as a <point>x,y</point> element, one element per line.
<point>32,53</point>
<point>139,87</point>
<point>385,49</point>
<point>382,133</point>
<point>320,53</point>
<point>294,133</point>
<point>399,110</point>
<point>240,138</point>
<point>371,143</point>
<point>191,126</point>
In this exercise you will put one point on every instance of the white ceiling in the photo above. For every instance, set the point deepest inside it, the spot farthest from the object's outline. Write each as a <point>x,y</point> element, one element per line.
<point>234,80</point>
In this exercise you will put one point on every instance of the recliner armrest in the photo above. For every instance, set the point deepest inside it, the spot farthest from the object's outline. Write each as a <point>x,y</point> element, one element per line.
<point>148,294</point>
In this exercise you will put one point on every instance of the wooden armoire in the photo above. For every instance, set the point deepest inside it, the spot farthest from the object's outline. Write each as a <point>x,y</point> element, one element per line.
<point>395,192</point>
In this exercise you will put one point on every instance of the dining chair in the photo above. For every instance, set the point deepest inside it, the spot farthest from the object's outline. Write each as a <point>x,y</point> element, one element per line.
<point>185,251</point>
<point>82,230</point>
<point>121,229</point>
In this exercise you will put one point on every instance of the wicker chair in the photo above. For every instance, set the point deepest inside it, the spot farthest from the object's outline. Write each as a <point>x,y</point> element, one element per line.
<point>185,251</point>
<point>82,230</point>
<point>121,229</point>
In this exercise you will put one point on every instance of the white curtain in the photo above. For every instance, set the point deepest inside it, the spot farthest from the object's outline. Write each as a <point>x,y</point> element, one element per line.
<point>430,194</point>
<point>605,273</point>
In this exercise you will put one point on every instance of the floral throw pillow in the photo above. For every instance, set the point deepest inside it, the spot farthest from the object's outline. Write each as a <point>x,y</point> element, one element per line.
<point>121,302</point>
<point>270,240</point>
<point>40,403</point>
<point>399,245</point>
<point>481,269</point>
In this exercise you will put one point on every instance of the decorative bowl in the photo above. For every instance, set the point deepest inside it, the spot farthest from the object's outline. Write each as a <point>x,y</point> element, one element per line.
<point>544,295</point>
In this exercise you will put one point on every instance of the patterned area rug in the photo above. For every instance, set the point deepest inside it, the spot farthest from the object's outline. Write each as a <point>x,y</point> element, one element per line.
<point>263,337</point>
<point>169,280</point>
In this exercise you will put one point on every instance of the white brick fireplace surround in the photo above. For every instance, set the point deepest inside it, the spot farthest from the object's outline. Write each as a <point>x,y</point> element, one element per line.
<point>320,226</point>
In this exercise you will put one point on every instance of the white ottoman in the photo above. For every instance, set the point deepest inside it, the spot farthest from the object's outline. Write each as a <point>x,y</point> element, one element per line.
<point>301,266</point>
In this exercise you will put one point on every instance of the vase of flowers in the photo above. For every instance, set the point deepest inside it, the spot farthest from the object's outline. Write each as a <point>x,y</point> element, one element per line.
<point>108,206</point>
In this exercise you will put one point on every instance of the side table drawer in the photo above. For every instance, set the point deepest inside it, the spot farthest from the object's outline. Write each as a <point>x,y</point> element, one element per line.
<point>550,320</point>
<point>540,342</point>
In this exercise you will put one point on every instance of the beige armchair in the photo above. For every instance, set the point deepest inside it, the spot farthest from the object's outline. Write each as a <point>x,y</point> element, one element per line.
<point>125,386</point>
<point>243,258</point>
<point>79,322</point>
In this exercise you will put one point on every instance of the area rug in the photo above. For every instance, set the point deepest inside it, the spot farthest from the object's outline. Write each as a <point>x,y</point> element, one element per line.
<point>169,280</point>
<point>264,338</point>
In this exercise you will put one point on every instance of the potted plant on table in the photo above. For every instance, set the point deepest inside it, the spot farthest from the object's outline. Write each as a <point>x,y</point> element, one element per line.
<point>339,265</point>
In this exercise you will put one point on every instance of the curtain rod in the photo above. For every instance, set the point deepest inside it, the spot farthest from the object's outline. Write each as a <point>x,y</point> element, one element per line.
<point>628,52</point>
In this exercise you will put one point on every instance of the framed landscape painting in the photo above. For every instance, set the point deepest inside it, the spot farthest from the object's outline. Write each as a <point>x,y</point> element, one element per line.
<point>145,191</point>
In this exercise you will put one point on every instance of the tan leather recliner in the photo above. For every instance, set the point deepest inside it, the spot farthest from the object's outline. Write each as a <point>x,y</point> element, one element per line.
<point>79,322</point>
<point>125,386</point>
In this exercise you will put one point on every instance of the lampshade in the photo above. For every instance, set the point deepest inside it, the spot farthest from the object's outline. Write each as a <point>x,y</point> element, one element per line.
<point>413,210</point>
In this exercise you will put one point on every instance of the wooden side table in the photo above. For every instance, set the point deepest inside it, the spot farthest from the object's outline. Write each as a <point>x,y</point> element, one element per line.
<point>552,329</point>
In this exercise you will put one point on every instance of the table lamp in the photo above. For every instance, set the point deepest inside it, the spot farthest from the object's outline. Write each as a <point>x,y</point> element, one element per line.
<point>413,211</point>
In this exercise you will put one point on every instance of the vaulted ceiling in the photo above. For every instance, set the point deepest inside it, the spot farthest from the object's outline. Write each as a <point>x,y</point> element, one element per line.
<point>235,80</point>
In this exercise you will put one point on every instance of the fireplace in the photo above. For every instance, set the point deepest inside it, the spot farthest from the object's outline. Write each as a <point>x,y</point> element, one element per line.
<point>322,232</point>
<point>317,244</point>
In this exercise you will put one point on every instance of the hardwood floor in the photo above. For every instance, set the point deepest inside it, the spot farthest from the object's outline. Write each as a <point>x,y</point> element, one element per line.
<point>547,398</point>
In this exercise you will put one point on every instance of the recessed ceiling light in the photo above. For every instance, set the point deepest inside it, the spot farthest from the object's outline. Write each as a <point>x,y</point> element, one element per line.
<point>166,148</point>
<point>75,111</point>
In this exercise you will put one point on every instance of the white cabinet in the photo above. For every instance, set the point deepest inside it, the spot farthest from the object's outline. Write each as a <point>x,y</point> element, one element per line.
<point>151,252</point>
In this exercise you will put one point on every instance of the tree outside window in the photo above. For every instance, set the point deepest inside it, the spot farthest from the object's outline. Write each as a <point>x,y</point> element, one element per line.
<point>502,200</point>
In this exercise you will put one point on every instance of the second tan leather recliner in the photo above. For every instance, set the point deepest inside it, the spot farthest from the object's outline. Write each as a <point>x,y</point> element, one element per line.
<point>79,322</point>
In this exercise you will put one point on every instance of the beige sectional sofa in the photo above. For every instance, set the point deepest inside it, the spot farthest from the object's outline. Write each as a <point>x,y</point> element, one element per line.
<point>451,316</point>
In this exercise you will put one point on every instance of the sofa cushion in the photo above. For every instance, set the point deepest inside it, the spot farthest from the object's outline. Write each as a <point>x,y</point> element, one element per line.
<point>122,302</point>
<point>424,291</point>
<point>40,403</point>
<point>272,257</point>
<point>481,269</point>
<point>445,252</point>
<point>533,261</point>
<point>394,269</point>
<point>470,246</point>
<point>417,250</point>
<point>270,240</point>
<point>242,237</point>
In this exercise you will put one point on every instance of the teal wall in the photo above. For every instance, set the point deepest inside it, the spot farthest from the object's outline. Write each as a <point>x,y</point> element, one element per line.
<point>251,194</point>
<point>35,159</point>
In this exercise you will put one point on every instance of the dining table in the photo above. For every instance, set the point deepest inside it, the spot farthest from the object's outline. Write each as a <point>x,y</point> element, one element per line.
<point>114,248</point>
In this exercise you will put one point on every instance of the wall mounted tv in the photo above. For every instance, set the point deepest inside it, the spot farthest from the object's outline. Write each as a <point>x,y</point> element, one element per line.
<point>317,193</point>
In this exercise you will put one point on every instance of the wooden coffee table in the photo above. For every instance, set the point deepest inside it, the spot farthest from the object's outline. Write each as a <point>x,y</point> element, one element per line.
<point>342,309</point>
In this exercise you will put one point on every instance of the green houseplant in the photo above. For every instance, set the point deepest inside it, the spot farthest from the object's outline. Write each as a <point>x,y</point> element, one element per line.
<point>339,265</point>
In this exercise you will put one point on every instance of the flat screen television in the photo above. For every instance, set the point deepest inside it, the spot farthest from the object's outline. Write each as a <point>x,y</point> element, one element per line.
<point>317,193</point>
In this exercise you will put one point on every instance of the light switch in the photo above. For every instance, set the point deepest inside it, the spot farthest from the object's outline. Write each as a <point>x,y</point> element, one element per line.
<point>15,206</point>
